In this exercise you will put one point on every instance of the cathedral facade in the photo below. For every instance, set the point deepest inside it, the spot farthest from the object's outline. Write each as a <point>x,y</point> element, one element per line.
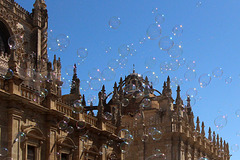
<point>134,122</point>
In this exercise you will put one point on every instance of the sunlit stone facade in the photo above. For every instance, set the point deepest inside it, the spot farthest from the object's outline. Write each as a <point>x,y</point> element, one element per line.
<point>32,104</point>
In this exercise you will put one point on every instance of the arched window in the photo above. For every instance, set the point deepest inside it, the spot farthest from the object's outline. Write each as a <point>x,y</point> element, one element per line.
<point>4,35</point>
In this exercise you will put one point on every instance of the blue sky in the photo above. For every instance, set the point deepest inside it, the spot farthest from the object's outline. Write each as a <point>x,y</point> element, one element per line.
<point>210,38</point>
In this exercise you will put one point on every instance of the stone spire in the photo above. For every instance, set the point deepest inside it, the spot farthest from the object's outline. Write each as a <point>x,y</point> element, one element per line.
<point>164,88</point>
<point>179,101</point>
<point>100,106</point>
<point>198,126</point>
<point>133,68</point>
<point>203,130</point>
<point>75,82</point>
<point>40,4</point>
<point>214,137</point>
<point>210,134</point>
<point>168,88</point>
<point>83,100</point>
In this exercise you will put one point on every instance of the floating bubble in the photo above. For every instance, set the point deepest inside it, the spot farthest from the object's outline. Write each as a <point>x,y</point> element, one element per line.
<point>152,77</point>
<point>176,81</point>
<point>94,73</point>
<point>82,53</point>
<point>158,156</point>
<point>150,62</point>
<point>108,74</point>
<point>77,107</point>
<point>203,158</point>
<point>3,152</point>
<point>181,61</point>
<point>154,31</point>
<point>114,22</point>
<point>142,40</point>
<point>21,136</point>
<point>123,62</point>
<point>80,124</point>
<point>176,51</point>
<point>192,92</point>
<point>113,64</point>
<point>228,80</point>
<point>62,125</point>
<point>9,74</point>
<point>237,113</point>
<point>235,147</point>
<point>125,49</point>
<point>190,75</point>
<point>70,130</point>
<point>66,119</point>
<point>146,102</point>
<point>173,65</point>
<point>63,41</point>
<point>128,138</point>
<point>125,102</point>
<point>159,18</point>
<point>238,133</point>
<point>204,80</point>
<point>144,138</point>
<point>151,130</point>
<point>177,30</point>
<point>124,147</point>
<point>220,122</point>
<point>137,94</point>
<point>217,72</point>
<point>199,4</point>
<point>95,84</point>
<point>107,116</point>
<point>108,49</point>
<point>123,132</point>
<point>84,138</point>
<point>164,67</point>
<point>166,43</point>
<point>15,41</point>
<point>191,65</point>
<point>154,10</point>
<point>156,135</point>
<point>91,99</point>
<point>84,85</point>
<point>52,44</point>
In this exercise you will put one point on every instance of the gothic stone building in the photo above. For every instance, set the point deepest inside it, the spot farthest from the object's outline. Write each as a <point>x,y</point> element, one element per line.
<point>34,112</point>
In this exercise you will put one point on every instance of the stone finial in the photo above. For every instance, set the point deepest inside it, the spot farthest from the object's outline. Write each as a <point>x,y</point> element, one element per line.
<point>75,87</point>
<point>40,4</point>
<point>168,88</point>
<point>164,88</point>
<point>198,126</point>
<point>203,130</point>
<point>224,145</point>
<point>221,143</point>
<point>210,134</point>
<point>133,68</point>
<point>146,81</point>
<point>178,99</point>
<point>83,100</point>
<point>217,140</point>
<point>214,137</point>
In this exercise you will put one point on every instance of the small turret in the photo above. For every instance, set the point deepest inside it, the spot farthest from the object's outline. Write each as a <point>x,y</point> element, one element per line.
<point>179,101</point>
<point>198,126</point>
<point>203,130</point>
<point>210,134</point>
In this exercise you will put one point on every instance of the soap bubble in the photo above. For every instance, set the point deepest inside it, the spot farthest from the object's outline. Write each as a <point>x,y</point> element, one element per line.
<point>235,148</point>
<point>107,116</point>
<point>113,64</point>
<point>15,41</point>
<point>176,51</point>
<point>164,67</point>
<point>124,147</point>
<point>125,49</point>
<point>158,156</point>
<point>9,74</point>
<point>62,125</point>
<point>156,135</point>
<point>77,107</point>
<point>82,53</point>
<point>63,41</point>
<point>108,74</point>
<point>191,65</point>
<point>166,43</point>
<point>159,18</point>
<point>123,133</point>
<point>217,72</point>
<point>70,130</point>
<point>192,92</point>
<point>3,152</point>
<point>84,85</point>
<point>94,73</point>
<point>237,113</point>
<point>146,102</point>
<point>125,102</point>
<point>150,62</point>
<point>152,77</point>
<point>154,31</point>
<point>151,130</point>
<point>154,10</point>
<point>173,65</point>
<point>144,138</point>
<point>177,30</point>
<point>203,158</point>
<point>108,49</point>
<point>190,75</point>
<point>95,84</point>
<point>66,119</point>
<point>80,124</point>
<point>181,61</point>
<point>228,80</point>
<point>91,98</point>
<point>220,122</point>
<point>123,62</point>
<point>204,80</point>
<point>114,22</point>
<point>142,40</point>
